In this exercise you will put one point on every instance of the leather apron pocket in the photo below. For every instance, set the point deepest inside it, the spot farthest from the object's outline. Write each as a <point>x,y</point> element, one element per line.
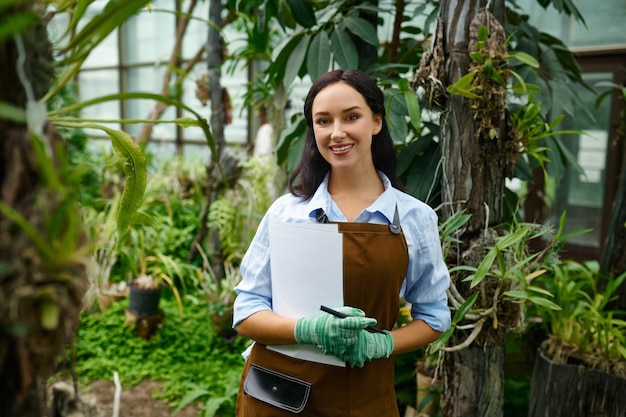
<point>280,390</point>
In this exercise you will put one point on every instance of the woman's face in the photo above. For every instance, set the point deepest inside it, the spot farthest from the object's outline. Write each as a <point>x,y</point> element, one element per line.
<point>343,125</point>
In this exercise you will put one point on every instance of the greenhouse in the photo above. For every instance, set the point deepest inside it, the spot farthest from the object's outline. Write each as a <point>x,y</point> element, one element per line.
<point>184,182</point>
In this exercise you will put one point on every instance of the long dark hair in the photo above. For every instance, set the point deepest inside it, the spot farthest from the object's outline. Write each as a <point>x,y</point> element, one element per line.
<point>310,173</point>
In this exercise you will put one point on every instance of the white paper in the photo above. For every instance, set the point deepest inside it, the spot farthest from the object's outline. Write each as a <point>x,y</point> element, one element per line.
<point>307,271</point>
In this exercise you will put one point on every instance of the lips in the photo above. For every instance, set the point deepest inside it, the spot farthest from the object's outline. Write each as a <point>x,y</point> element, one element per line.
<point>341,148</point>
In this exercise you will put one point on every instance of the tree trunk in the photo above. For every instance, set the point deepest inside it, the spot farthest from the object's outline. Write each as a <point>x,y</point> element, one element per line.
<point>32,285</point>
<point>220,116</point>
<point>473,380</point>
<point>475,164</point>
<point>474,179</point>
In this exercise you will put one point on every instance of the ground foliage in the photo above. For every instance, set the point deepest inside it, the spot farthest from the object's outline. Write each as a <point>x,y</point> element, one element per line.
<point>185,354</point>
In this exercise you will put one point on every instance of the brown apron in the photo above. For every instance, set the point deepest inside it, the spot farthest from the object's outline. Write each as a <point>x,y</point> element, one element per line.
<point>374,267</point>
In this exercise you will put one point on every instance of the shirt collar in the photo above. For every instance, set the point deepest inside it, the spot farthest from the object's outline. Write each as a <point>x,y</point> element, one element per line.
<point>385,204</point>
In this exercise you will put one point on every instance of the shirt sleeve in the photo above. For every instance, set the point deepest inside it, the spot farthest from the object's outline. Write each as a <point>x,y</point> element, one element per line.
<point>427,278</point>
<point>254,292</point>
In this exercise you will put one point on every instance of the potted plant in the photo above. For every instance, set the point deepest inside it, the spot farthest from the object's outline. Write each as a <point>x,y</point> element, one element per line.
<point>580,368</point>
<point>220,294</point>
<point>104,254</point>
<point>151,266</point>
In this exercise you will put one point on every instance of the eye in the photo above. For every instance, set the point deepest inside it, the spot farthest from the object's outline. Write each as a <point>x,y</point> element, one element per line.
<point>353,117</point>
<point>321,121</point>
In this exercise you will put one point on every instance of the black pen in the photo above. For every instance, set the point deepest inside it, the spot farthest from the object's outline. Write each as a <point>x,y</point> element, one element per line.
<point>343,316</point>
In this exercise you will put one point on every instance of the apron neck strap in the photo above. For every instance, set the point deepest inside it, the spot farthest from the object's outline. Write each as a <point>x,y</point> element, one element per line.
<point>394,226</point>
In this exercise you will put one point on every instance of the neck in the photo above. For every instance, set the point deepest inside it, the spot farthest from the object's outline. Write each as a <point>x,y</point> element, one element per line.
<point>349,184</point>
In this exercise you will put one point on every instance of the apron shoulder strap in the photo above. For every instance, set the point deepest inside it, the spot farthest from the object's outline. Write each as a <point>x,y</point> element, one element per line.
<point>394,226</point>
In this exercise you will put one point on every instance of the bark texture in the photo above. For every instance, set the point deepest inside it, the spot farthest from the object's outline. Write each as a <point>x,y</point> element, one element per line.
<point>475,163</point>
<point>563,390</point>
<point>473,381</point>
<point>37,282</point>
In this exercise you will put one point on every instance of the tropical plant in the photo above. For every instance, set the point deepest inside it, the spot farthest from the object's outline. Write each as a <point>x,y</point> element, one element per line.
<point>236,216</point>
<point>584,330</point>
<point>23,108</point>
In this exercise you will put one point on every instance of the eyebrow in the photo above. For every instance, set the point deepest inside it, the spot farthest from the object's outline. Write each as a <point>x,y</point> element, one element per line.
<point>348,110</point>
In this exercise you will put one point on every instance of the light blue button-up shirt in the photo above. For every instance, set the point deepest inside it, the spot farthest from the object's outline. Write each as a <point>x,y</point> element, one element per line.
<point>427,277</point>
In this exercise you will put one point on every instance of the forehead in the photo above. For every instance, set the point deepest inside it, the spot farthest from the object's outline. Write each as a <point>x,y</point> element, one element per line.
<point>339,95</point>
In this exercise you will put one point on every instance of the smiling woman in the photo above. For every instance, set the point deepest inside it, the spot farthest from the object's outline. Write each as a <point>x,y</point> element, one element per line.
<point>391,249</point>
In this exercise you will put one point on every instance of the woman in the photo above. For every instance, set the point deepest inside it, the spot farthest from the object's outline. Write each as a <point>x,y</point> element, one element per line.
<point>391,249</point>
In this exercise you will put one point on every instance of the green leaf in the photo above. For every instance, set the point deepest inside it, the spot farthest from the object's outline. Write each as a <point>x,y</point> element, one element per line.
<point>483,33</point>
<point>101,25</point>
<point>296,147</point>
<point>526,59</point>
<point>477,57</point>
<point>285,16</point>
<point>190,397</point>
<point>484,267</point>
<point>441,342</point>
<point>318,55</point>
<point>303,13</point>
<point>291,134</point>
<point>463,86</point>
<point>11,112</point>
<point>17,23</point>
<point>278,66</point>
<point>343,49</point>
<point>413,105</point>
<point>362,29</point>
<point>396,115</point>
<point>295,60</point>
<point>23,224</point>
<point>465,307</point>
<point>522,295</point>
<point>148,96</point>
<point>49,314</point>
<point>539,290</point>
<point>540,301</point>
<point>512,238</point>
<point>462,268</point>
<point>135,169</point>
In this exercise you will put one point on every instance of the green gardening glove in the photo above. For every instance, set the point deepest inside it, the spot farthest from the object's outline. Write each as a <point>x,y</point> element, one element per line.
<point>369,346</point>
<point>332,335</point>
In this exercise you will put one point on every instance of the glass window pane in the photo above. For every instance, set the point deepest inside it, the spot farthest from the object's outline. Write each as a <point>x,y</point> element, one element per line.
<point>106,53</point>
<point>197,31</point>
<point>161,152</point>
<point>603,22</point>
<point>236,84</point>
<point>98,83</point>
<point>147,79</point>
<point>196,153</point>
<point>150,35</point>
<point>191,100</point>
<point>581,192</point>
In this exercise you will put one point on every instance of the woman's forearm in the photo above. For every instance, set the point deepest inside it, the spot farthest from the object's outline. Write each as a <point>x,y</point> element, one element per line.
<point>414,335</point>
<point>268,328</point>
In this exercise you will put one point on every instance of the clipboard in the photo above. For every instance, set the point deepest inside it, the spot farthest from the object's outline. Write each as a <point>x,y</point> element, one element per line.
<point>306,261</point>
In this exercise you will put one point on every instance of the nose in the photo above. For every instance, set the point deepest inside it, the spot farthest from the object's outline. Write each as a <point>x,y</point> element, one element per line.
<point>337,133</point>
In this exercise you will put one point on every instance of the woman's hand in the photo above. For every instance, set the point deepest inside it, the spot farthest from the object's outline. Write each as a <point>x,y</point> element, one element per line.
<point>333,335</point>
<point>369,346</point>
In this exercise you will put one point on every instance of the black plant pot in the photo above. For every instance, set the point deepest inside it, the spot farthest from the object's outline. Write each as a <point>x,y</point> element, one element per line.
<point>144,302</point>
<point>571,390</point>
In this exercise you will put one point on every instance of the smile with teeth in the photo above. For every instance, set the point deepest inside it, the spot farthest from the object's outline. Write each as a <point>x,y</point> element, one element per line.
<point>341,148</point>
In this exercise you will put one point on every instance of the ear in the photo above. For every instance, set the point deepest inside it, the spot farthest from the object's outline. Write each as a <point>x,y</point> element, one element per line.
<point>378,123</point>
